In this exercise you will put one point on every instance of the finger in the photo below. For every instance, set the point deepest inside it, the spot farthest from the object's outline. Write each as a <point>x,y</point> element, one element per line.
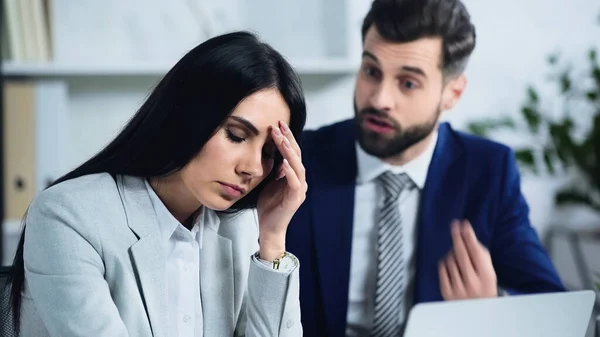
<point>456,282</point>
<point>277,138</point>
<point>290,137</point>
<point>475,250</point>
<point>291,177</point>
<point>286,150</point>
<point>280,172</point>
<point>445,286</point>
<point>460,250</point>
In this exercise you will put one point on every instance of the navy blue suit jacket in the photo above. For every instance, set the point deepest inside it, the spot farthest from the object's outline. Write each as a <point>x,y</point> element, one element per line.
<point>469,178</point>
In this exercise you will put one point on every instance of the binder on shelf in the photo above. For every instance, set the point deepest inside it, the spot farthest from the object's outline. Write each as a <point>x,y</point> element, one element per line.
<point>19,148</point>
<point>35,131</point>
<point>27,30</point>
<point>13,30</point>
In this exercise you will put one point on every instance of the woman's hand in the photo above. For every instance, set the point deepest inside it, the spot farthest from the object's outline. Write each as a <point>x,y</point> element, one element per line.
<point>280,199</point>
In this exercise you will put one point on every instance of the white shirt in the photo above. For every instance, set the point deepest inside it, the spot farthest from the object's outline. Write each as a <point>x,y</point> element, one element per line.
<point>183,248</point>
<point>363,265</point>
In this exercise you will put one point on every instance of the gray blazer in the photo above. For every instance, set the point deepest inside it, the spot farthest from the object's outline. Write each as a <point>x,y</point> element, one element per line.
<point>94,266</point>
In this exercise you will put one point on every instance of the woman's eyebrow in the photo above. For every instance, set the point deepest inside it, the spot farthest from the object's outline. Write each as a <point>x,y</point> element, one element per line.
<point>247,124</point>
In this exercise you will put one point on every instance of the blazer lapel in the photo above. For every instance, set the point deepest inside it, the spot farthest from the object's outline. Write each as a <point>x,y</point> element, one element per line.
<point>149,259</point>
<point>216,281</point>
<point>442,200</point>
<point>333,202</point>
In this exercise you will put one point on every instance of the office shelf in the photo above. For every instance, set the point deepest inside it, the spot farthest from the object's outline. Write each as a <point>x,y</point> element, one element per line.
<point>325,66</point>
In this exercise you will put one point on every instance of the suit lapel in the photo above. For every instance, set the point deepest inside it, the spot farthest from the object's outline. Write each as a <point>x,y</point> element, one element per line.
<point>441,202</point>
<point>333,202</point>
<point>217,282</point>
<point>150,264</point>
<point>148,255</point>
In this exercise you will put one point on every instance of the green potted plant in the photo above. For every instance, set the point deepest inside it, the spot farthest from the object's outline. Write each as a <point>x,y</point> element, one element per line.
<point>563,143</point>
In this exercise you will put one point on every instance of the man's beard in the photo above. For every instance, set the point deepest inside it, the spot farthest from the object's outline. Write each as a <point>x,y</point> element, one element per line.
<point>382,146</point>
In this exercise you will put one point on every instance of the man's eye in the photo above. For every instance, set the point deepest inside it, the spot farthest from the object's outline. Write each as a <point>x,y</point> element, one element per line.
<point>371,71</point>
<point>409,84</point>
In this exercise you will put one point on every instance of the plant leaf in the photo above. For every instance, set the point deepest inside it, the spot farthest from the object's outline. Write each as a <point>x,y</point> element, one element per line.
<point>526,159</point>
<point>532,94</point>
<point>532,117</point>
<point>596,75</point>
<point>478,129</point>
<point>594,137</point>
<point>553,59</point>
<point>560,137</point>
<point>483,127</point>
<point>565,82</point>
<point>572,196</point>
<point>549,156</point>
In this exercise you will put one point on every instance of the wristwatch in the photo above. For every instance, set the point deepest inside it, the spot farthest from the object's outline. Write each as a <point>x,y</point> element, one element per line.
<point>283,261</point>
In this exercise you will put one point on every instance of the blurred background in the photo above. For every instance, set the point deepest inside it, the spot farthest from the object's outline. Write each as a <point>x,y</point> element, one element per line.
<point>74,71</point>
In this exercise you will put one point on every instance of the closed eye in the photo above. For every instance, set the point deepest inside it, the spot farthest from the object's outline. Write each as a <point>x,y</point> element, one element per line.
<point>268,153</point>
<point>232,137</point>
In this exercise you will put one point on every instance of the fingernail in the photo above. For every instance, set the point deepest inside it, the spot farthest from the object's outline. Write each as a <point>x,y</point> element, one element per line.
<point>464,226</point>
<point>284,127</point>
<point>287,144</point>
<point>454,225</point>
<point>277,131</point>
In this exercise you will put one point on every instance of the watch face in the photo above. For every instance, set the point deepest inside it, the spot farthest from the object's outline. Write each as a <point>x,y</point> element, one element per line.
<point>287,262</point>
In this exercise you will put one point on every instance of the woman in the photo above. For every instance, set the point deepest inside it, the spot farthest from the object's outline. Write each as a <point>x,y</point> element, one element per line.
<point>158,234</point>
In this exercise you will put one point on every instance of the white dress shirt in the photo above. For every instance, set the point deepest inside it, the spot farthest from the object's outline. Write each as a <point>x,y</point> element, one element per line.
<point>363,263</point>
<point>182,249</point>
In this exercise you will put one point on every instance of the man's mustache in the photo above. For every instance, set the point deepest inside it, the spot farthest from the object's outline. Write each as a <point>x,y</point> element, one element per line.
<point>374,112</point>
<point>377,113</point>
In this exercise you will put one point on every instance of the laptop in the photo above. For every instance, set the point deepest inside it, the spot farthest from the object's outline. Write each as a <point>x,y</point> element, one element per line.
<point>565,314</point>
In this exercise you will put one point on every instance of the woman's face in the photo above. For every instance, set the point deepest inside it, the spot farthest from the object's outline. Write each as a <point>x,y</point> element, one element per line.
<point>239,155</point>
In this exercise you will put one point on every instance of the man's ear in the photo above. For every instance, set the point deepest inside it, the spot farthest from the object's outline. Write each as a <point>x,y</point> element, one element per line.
<point>453,91</point>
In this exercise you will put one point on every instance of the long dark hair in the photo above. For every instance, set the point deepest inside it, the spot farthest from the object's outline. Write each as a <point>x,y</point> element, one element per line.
<point>183,112</point>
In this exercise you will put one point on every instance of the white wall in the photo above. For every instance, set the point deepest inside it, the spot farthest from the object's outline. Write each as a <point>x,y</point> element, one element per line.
<point>514,38</point>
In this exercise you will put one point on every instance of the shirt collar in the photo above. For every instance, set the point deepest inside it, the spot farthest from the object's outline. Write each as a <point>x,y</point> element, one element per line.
<point>370,167</point>
<point>167,223</point>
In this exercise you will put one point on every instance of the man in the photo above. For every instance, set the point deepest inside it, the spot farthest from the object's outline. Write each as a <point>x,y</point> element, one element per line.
<point>448,221</point>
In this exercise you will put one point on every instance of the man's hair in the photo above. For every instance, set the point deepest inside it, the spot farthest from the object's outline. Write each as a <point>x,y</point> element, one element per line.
<point>409,20</point>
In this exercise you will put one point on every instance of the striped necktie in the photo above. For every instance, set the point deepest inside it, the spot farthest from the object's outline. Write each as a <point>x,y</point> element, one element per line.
<point>391,280</point>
